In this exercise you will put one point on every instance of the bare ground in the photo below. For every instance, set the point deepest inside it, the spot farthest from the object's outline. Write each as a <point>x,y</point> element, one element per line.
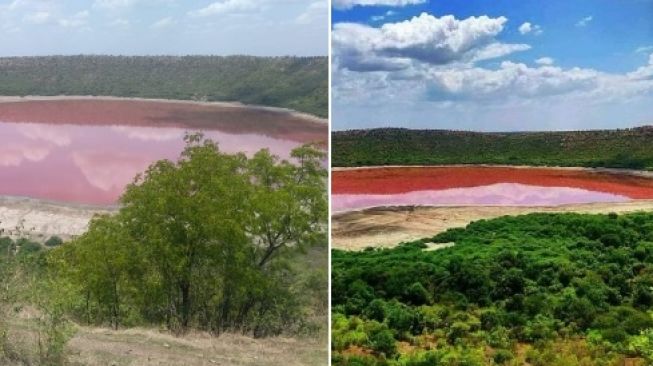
<point>39,219</point>
<point>150,347</point>
<point>388,226</point>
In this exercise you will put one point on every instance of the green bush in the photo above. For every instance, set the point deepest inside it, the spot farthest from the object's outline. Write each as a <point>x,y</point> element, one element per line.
<point>53,241</point>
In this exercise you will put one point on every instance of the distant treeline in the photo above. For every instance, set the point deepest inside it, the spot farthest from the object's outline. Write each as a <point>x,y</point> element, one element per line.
<point>623,148</point>
<point>299,83</point>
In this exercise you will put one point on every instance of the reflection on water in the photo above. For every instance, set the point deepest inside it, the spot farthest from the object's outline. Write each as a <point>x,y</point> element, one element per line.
<point>92,164</point>
<point>503,194</point>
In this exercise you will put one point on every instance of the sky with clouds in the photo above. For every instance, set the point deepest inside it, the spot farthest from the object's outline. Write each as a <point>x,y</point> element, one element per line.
<point>177,27</point>
<point>500,65</point>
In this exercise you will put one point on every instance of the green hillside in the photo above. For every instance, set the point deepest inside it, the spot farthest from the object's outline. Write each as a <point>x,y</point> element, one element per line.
<point>626,148</point>
<point>299,83</point>
<point>539,289</point>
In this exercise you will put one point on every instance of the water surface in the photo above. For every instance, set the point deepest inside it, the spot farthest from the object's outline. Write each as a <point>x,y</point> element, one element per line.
<point>81,157</point>
<point>482,186</point>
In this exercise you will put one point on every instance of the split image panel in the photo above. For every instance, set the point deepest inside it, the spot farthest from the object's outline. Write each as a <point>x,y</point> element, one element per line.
<point>491,185</point>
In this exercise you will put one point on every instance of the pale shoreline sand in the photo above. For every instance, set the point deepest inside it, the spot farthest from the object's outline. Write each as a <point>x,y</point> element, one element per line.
<point>40,219</point>
<point>386,227</point>
<point>28,98</point>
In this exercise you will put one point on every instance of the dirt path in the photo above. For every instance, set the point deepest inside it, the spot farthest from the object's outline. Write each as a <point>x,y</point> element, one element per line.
<point>93,347</point>
<point>40,219</point>
<point>389,226</point>
<point>150,347</point>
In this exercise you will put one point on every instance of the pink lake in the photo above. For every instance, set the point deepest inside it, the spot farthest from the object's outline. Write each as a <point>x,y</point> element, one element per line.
<point>91,163</point>
<point>499,194</point>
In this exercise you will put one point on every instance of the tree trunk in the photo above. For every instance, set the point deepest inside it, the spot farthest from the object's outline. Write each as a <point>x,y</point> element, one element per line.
<point>185,304</point>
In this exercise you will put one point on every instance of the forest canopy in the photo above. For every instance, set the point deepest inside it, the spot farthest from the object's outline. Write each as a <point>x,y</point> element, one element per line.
<point>538,289</point>
<point>298,83</point>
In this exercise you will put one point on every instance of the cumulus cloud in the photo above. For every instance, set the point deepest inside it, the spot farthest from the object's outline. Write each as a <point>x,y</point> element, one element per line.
<point>434,60</point>
<point>644,72</point>
<point>224,6</point>
<point>527,27</point>
<point>544,61</point>
<point>515,79</point>
<point>424,38</point>
<point>348,4</point>
<point>585,21</point>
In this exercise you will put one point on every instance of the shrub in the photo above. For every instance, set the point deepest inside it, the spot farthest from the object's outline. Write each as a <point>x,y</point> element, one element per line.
<point>53,241</point>
<point>383,342</point>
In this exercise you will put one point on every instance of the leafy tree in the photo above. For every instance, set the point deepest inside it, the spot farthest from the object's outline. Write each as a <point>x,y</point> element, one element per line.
<point>207,241</point>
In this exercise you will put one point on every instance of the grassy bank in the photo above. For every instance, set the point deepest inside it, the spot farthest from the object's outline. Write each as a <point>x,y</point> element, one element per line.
<point>627,148</point>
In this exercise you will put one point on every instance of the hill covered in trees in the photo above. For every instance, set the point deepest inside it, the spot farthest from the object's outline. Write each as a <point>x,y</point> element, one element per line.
<point>538,289</point>
<point>626,148</point>
<point>299,83</point>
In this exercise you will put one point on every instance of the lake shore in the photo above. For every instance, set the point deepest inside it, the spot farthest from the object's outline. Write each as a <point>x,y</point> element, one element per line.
<point>386,227</point>
<point>41,219</point>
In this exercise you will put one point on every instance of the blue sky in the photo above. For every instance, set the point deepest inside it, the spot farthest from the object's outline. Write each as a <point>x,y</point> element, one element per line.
<point>178,27</point>
<point>493,65</point>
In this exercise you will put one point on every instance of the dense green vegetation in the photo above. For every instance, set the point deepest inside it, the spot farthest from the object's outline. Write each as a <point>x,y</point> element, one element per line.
<point>627,148</point>
<point>213,242</point>
<point>540,289</point>
<point>289,82</point>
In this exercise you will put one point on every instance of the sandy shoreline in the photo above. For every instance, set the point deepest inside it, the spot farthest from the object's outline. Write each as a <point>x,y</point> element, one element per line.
<point>40,219</point>
<point>388,226</point>
<point>30,98</point>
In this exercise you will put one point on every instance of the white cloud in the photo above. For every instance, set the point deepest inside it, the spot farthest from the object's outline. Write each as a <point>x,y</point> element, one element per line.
<point>163,23</point>
<point>527,27</point>
<point>644,72</point>
<point>431,62</point>
<point>119,23</point>
<point>113,4</point>
<point>348,4</point>
<point>496,50</point>
<point>39,17</point>
<point>544,61</point>
<point>644,49</point>
<point>79,19</point>
<point>224,6</point>
<point>424,38</point>
<point>378,18</point>
<point>316,10</point>
<point>585,21</point>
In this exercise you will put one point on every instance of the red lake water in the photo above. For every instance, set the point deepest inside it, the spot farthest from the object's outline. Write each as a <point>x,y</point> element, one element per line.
<point>71,151</point>
<point>482,186</point>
